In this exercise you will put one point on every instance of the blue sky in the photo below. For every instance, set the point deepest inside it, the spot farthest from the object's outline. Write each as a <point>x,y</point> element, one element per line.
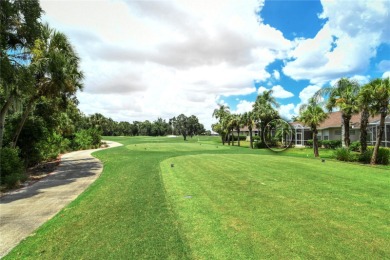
<point>300,19</point>
<point>150,59</point>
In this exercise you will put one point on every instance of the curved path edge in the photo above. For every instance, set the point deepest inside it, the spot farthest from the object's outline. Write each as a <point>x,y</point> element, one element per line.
<point>24,210</point>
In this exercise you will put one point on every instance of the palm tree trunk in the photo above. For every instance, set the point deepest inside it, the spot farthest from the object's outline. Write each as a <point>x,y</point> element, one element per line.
<point>363,130</point>
<point>3,114</point>
<point>378,138</point>
<point>22,122</point>
<point>346,120</point>
<point>250,137</point>
<point>232,136</point>
<point>315,143</point>
<point>238,136</point>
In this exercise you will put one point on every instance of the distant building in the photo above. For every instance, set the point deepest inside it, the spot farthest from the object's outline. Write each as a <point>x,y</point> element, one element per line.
<point>331,129</point>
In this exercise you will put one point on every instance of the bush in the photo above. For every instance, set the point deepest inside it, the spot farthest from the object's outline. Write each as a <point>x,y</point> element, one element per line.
<point>12,169</point>
<point>309,143</point>
<point>382,158</point>
<point>344,154</point>
<point>259,145</point>
<point>355,146</point>
<point>87,139</point>
<point>242,138</point>
<point>331,144</point>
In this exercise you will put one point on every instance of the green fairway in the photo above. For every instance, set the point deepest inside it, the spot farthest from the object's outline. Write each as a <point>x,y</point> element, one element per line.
<point>163,198</point>
<point>283,208</point>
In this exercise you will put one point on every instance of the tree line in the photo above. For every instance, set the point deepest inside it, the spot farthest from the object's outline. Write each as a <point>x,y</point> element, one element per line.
<point>39,77</point>
<point>347,95</point>
<point>179,125</point>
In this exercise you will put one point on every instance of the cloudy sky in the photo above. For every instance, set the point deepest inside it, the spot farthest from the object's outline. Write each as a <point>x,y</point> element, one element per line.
<point>149,59</point>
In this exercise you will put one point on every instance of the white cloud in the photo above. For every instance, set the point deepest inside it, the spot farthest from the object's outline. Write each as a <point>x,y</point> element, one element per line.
<point>278,91</point>
<point>345,44</point>
<point>162,58</point>
<point>286,111</point>
<point>243,106</point>
<point>276,74</point>
<point>361,79</point>
<point>261,90</point>
<point>308,93</point>
<point>386,75</point>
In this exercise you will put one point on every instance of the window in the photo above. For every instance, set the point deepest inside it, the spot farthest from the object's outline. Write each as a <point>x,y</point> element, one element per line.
<point>352,132</point>
<point>326,137</point>
<point>337,132</point>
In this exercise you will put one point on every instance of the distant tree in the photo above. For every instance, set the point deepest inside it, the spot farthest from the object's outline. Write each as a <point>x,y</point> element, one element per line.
<point>222,114</point>
<point>343,95</point>
<point>249,121</point>
<point>264,110</point>
<point>238,122</point>
<point>312,115</point>
<point>145,128</point>
<point>380,105</point>
<point>218,128</point>
<point>181,124</point>
<point>365,105</point>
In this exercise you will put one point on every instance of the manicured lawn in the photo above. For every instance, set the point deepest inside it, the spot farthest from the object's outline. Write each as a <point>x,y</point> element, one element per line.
<point>218,202</point>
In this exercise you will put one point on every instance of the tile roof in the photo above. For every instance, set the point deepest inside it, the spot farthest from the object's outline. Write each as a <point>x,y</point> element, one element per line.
<point>334,120</point>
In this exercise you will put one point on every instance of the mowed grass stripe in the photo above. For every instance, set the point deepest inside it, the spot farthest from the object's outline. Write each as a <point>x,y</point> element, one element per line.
<point>123,215</point>
<point>248,206</point>
<point>128,214</point>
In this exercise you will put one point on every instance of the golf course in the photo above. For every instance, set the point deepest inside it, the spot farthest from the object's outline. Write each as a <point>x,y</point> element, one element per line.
<point>163,198</point>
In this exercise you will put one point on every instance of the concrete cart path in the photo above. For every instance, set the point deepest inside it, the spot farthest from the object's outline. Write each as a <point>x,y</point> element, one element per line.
<point>23,211</point>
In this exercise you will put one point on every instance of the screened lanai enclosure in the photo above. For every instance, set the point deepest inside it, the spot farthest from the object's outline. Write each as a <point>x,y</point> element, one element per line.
<point>373,129</point>
<point>301,134</point>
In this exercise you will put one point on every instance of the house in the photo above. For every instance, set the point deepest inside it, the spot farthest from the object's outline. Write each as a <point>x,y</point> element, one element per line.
<point>331,129</point>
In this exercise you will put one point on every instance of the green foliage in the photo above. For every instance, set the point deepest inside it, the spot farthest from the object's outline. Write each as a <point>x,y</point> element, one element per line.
<point>383,156</point>
<point>355,146</point>
<point>331,144</point>
<point>242,137</point>
<point>344,154</point>
<point>11,167</point>
<point>87,139</point>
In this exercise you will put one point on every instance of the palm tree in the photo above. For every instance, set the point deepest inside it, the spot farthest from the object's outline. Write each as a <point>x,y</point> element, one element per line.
<point>249,121</point>
<point>56,68</point>
<point>222,114</point>
<point>264,109</point>
<point>342,95</point>
<point>365,102</point>
<point>312,115</point>
<point>237,123</point>
<point>380,104</point>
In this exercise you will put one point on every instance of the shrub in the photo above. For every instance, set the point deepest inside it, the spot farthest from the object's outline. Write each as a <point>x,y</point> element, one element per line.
<point>309,143</point>
<point>259,145</point>
<point>242,138</point>
<point>382,158</point>
<point>355,146</point>
<point>87,139</point>
<point>12,169</point>
<point>256,138</point>
<point>344,154</point>
<point>331,144</point>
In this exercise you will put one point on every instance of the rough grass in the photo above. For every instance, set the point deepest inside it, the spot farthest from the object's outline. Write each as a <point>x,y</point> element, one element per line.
<point>245,203</point>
